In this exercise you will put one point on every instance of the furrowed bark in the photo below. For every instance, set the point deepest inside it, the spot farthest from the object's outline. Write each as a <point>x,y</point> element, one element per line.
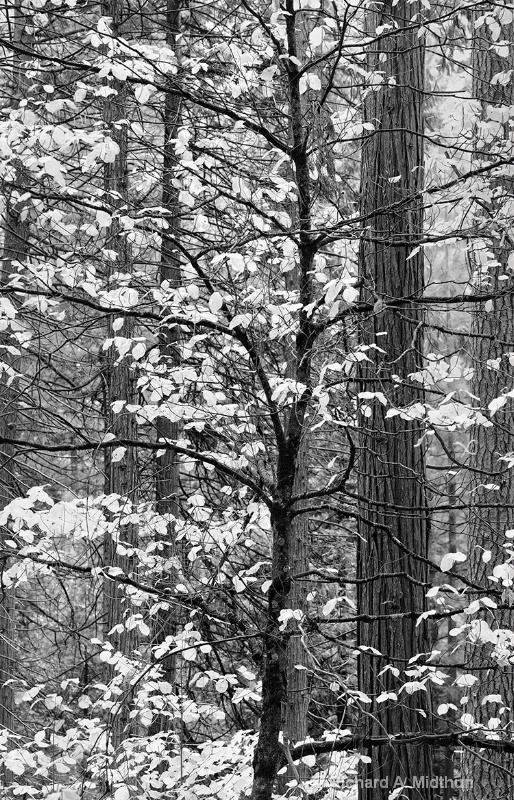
<point>121,477</point>
<point>390,463</point>
<point>15,247</point>
<point>492,776</point>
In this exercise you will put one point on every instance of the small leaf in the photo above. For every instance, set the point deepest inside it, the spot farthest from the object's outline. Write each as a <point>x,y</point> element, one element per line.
<point>215,302</point>
<point>329,606</point>
<point>496,404</point>
<point>138,351</point>
<point>466,680</point>
<point>316,37</point>
<point>449,560</point>
<point>117,454</point>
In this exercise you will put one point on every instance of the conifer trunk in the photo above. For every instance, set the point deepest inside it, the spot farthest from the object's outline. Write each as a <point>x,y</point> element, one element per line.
<point>393,525</point>
<point>121,476</point>
<point>15,247</point>
<point>493,775</point>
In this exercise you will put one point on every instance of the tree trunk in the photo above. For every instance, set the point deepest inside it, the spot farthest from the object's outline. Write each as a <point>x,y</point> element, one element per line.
<point>492,776</point>
<point>284,699</point>
<point>121,476</point>
<point>295,722</point>
<point>15,246</point>
<point>393,525</point>
<point>167,464</point>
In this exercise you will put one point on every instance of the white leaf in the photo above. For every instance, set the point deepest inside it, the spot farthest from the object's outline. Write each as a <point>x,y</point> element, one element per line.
<point>103,218</point>
<point>143,92</point>
<point>114,572</point>
<point>122,793</point>
<point>309,761</point>
<point>138,351</point>
<point>239,585</point>
<point>69,794</point>
<point>332,289</point>
<point>449,560</point>
<point>314,82</point>
<point>55,170</point>
<point>215,302</point>
<point>351,294</point>
<point>387,696</point>
<point>489,305</point>
<point>496,404</point>
<point>109,150</point>
<point>329,606</point>
<point>117,454</point>
<point>398,792</point>
<point>492,698</point>
<point>222,685</point>
<point>316,37</point>
<point>186,199</point>
<point>466,680</point>
<point>268,73</point>
<point>467,720</point>
<point>189,654</point>
<point>54,106</point>
<point>53,700</point>
<point>146,718</point>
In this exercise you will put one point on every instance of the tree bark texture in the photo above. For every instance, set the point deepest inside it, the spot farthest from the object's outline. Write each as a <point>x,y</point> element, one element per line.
<point>15,247</point>
<point>121,477</point>
<point>492,776</point>
<point>393,525</point>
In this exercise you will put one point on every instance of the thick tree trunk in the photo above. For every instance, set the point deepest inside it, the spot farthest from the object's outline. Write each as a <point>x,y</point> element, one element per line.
<point>493,776</point>
<point>15,246</point>
<point>167,465</point>
<point>393,526</point>
<point>121,476</point>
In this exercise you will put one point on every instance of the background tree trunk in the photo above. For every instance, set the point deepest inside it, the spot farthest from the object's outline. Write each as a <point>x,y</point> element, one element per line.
<point>493,775</point>
<point>391,463</point>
